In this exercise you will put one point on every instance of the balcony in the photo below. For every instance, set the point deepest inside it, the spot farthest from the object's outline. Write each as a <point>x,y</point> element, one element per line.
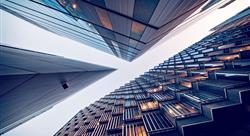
<point>105,117</point>
<point>108,108</point>
<point>163,96</point>
<point>141,96</point>
<point>236,74</point>
<point>156,122</point>
<point>131,114</point>
<point>201,97</point>
<point>228,57</point>
<point>115,125</point>
<point>134,129</point>
<point>91,126</point>
<point>186,84</point>
<point>119,102</point>
<point>195,77</point>
<point>130,103</point>
<point>177,87</point>
<point>149,105</point>
<point>178,110</point>
<point>99,130</point>
<point>220,86</point>
<point>117,110</point>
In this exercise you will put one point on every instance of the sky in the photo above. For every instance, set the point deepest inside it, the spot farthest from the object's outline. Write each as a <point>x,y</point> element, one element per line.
<point>19,33</point>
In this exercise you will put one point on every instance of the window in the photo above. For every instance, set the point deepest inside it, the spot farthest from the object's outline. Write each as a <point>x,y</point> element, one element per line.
<point>134,130</point>
<point>226,46</point>
<point>144,9</point>
<point>156,121</point>
<point>151,105</point>
<point>137,30</point>
<point>229,57</point>
<point>104,18</point>
<point>187,84</point>
<point>215,53</point>
<point>180,109</point>
<point>247,48</point>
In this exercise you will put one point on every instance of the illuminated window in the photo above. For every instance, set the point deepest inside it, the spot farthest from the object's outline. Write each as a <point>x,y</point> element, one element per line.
<point>180,110</point>
<point>104,18</point>
<point>134,130</point>
<point>131,114</point>
<point>226,46</point>
<point>247,48</point>
<point>157,89</point>
<point>151,105</point>
<point>229,57</point>
<point>200,77</point>
<point>213,69</point>
<point>187,84</point>
<point>74,6</point>
<point>137,28</point>
<point>115,123</point>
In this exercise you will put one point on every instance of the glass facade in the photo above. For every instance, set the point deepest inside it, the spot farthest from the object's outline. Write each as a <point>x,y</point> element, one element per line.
<point>234,21</point>
<point>121,28</point>
<point>185,95</point>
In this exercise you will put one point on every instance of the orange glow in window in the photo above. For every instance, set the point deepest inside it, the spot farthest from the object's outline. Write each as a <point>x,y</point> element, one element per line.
<point>137,28</point>
<point>104,18</point>
<point>74,6</point>
<point>160,87</point>
<point>178,106</point>
<point>155,90</point>
<point>229,57</point>
<point>186,84</point>
<point>226,46</point>
<point>200,77</point>
<point>213,69</point>
<point>247,48</point>
<point>170,111</point>
<point>149,106</point>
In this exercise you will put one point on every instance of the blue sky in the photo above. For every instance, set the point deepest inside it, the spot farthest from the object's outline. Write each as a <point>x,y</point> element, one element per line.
<point>19,33</point>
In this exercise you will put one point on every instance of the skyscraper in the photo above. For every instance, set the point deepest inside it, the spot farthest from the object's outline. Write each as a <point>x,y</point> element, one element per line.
<point>203,90</point>
<point>124,28</point>
<point>33,82</point>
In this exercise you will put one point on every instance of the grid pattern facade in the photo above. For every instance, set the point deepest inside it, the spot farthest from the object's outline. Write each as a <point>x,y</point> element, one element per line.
<point>183,91</point>
<point>124,28</point>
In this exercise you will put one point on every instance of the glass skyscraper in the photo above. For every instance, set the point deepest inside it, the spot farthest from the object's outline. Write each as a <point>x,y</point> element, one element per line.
<point>33,82</point>
<point>203,90</point>
<point>124,28</point>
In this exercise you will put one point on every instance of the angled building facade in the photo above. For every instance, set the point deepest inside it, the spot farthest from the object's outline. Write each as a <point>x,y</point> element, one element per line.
<point>203,90</point>
<point>124,28</point>
<point>33,82</point>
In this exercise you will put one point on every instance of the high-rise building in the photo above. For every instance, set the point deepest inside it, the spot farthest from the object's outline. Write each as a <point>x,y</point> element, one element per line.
<point>240,19</point>
<point>33,82</point>
<point>124,28</point>
<point>203,90</point>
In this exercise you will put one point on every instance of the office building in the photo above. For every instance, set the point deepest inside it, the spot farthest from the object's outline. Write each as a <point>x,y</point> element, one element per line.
<point>203,90</point>
<point>123,28</point>
<point>33,82</point>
